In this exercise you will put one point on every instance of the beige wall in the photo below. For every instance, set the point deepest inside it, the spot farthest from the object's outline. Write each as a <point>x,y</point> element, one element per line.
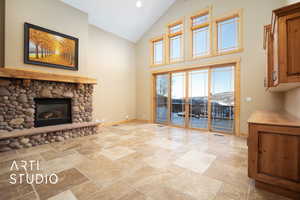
<point>257,13</point>
<point>291,102</point>
<point>2,22</point>
<point>101,55</point>
<point>292,1</point>
<point>51,14</point>
<point>112,60</point>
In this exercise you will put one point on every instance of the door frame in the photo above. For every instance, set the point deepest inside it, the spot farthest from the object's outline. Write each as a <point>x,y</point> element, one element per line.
<point>234,62</point>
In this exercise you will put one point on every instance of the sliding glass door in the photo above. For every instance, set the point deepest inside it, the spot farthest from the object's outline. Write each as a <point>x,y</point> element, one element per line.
<point>161,98</point>
<point>201,99</point>
<point>178,99</point>
<point>198,99</point>
<point>222,99</point>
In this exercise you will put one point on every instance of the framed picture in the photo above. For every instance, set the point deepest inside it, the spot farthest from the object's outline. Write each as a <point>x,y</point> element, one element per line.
<point>49,48</point>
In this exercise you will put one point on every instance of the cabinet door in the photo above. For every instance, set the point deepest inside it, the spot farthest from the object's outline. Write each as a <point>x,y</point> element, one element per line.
<point>277,156</point>
<point>293,45</point>
<point>270,58</point>
<point>289,47</point>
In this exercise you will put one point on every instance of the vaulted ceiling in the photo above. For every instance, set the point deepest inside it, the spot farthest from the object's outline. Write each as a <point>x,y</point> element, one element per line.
<point>122,17</point>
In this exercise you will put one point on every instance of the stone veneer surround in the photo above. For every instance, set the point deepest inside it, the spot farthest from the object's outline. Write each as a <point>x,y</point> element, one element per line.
<point>17,111</point>
<point>17,106</point>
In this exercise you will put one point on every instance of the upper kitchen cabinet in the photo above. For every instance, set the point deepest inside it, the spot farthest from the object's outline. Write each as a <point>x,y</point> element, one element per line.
<point>283,49</point>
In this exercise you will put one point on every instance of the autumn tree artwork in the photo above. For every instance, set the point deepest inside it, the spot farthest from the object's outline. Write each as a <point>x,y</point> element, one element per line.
<point>50,48</point>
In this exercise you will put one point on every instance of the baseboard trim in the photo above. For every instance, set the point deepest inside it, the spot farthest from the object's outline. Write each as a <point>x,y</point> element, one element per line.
<point>118,122</point>
<point>126,121</point>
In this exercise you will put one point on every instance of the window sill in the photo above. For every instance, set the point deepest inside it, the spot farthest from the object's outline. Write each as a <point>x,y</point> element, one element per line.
<point>201,57</point>
<point>229,52</point>
<point>176,62</point>
<point>157,65</point>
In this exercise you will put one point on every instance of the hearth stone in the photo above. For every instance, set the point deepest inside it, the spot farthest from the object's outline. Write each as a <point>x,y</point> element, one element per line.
<point>45,138</point>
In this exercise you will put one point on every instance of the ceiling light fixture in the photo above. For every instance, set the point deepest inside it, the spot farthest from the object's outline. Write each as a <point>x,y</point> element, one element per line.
<point>139,4</point>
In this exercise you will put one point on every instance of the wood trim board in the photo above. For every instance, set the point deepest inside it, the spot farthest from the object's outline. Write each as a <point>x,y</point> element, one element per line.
<point>44,76</point>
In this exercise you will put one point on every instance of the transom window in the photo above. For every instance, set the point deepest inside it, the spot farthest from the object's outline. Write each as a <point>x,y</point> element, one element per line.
<point>200,19</point>
<point>201,30</point>
<point>228,34</point>
<point>176,28</point>
<point>175,39</point>
<point>158,49</point>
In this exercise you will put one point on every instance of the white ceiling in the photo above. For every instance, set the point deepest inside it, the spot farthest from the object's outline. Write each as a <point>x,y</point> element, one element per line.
<point>122,17</point>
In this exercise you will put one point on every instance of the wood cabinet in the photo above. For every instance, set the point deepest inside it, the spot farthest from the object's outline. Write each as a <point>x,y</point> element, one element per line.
<point>282,39</point>
<point>274,152</point>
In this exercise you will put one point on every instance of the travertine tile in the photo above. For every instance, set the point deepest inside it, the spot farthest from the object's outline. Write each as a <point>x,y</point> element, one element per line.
<point>198,186</point>
<point>66,195</point>
<point>196,161</point>
<point>52,154</point>
<point>6,166</point>
<point>230,192</point>
<point>161,192</point>
<point>102,171</point>
<point>127,137</point>
<point>8,155</point>
<point>228,174</point>
<point>35,150</point>
<point>85,190</point>
<point>10,191</point>
<point>62,163</point>
<point>134,195</point>
<point>116,153</point>
<point>67,179</point>
<point>139,162</point>
<point>112,192</point>
<point>165,143</point>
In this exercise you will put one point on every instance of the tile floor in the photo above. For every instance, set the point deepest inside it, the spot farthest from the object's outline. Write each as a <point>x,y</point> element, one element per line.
<point>136,162</point>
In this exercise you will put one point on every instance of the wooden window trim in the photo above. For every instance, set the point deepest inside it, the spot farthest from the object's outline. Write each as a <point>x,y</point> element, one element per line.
<point>206,11</point>
<point>170,35</point>
<point>239,15</point>
<point>152,41</point>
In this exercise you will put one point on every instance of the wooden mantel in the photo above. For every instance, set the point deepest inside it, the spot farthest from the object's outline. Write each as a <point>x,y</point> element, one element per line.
<point>44,76</point>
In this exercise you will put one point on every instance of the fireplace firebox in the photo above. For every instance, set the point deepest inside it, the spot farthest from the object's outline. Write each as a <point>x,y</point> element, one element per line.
<point>52,111</point>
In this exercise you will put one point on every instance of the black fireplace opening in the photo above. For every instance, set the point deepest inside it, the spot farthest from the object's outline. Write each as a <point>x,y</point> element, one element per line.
<point>52,111</point>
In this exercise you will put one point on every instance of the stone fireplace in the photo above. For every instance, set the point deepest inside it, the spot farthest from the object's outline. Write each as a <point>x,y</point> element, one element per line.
<point>50,109</point>
<point>18,102</point>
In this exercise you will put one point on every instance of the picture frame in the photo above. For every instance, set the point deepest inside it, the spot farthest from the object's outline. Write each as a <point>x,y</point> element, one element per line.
<point>49,48</point>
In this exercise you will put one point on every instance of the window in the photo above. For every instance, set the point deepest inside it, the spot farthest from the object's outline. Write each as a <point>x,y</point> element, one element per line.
<point>200,34</point>
<point>158,51</point>
<point>228,34</point>
<point>175,40</point>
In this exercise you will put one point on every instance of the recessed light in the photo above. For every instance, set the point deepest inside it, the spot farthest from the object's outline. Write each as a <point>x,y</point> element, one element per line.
<point>139,4</point>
